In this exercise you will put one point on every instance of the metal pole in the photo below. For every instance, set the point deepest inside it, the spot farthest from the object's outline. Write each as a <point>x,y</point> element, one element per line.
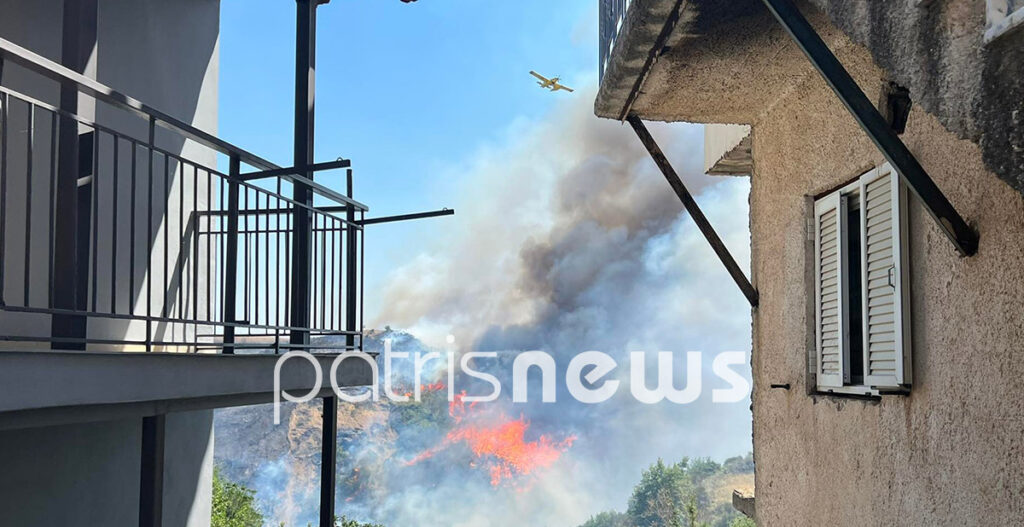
<point>691,206</point>
<point>305,96</point>
<point>305,87</point>
<point>351,268</point>
<point>328,461</point>
<point>406,217</point>
<point>871,121</point>
<point>79,30</point>
<point>231,258</point>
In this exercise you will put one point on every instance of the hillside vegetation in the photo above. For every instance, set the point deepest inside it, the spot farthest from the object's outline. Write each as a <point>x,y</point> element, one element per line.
<point>690,493</point>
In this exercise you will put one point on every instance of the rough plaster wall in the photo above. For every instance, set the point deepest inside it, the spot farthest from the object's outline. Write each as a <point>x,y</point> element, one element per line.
<point>950,453</point>
<point>937,51</point>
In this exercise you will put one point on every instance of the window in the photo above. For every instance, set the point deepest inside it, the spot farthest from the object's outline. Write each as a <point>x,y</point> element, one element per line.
<point>1002,16</point>
<point>861,297</point>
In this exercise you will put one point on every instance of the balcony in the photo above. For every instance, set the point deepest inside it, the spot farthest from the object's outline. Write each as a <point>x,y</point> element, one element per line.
<point>141,233</point>
<point>166,252</point>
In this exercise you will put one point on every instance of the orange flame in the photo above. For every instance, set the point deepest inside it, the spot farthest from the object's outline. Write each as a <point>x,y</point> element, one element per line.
<point>500,446</point>
<point>506,452</point>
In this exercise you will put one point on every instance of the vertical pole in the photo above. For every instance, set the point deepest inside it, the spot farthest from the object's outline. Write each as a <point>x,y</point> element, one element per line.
<point>328,461</point>
<point>351,267</point>
<point>78,44</point>
<point>231,257</point>
<point>305,86</point>
<point>151,483</point>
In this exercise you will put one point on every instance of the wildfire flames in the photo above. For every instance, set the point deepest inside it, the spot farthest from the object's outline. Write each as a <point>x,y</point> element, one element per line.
<point>498,442</point>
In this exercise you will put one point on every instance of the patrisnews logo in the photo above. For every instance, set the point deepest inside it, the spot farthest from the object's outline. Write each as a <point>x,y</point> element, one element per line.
<point>588,377</point>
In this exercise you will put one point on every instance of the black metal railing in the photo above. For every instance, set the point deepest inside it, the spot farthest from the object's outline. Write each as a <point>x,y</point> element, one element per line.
<point>172,254</point>
<point>612,16</point>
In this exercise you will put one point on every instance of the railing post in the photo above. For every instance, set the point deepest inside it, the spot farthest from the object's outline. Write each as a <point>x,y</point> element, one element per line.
<point>231,257</point>
<point>351,268</point>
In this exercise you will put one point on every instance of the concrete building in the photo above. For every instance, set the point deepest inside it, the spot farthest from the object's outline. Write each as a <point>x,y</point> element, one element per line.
<point>886,335</point>
<point>149,271</point>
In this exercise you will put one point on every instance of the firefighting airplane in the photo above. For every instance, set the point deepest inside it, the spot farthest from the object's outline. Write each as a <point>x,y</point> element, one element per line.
<point>551,84</point>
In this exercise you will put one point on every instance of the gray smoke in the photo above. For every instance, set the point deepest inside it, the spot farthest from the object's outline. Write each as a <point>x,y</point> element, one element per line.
<point>568,239</point>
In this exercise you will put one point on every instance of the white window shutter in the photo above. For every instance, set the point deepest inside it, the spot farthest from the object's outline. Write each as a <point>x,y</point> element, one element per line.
<point>884,266</point>
<point>828,296</point>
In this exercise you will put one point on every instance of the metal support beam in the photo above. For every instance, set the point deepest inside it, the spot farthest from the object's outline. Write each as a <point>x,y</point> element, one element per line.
<point>305,88</point>
<point>151,483</point>
<point>231,259</point>
<point>406,217</point>
<point>73,162</point>
<point>351,267</point>
<point>874,124</point>
<point>328,461</point>
<point>296,170</point>
<point>691,206</point>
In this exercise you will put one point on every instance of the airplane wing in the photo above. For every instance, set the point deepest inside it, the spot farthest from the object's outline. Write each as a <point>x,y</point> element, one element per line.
<point>560,87</point>
<point>539,76</point>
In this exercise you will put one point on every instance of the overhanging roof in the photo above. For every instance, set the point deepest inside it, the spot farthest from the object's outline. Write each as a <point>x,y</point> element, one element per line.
<point>712,62</point>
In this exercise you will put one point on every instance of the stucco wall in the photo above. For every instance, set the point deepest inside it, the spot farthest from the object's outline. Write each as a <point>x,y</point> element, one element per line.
<point>952,451</point>
<point>936,49</point>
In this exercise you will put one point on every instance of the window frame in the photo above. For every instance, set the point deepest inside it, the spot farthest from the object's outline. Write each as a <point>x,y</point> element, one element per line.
<point>837,199</point>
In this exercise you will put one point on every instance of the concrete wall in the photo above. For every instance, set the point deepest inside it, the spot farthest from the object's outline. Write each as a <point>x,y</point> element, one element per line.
<point>88,474</point>
<point>952,451</point>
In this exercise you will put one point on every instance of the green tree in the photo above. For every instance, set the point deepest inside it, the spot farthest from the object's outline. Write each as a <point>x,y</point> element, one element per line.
<point>743,521</point>
<point>661,496</point>
<point>345,522</point>
<point>701,468</point>
<point>233,504</point>
<point>608,519</point>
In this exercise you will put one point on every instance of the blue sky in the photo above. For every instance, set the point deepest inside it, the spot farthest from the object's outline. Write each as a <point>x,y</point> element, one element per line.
<point>404,90</point>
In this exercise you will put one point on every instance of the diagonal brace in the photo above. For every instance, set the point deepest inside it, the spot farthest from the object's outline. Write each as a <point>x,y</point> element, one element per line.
<point>691,207</point>
<point>871,121</point>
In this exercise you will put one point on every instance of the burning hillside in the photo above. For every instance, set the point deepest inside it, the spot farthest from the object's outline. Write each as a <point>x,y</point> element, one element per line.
<point>497,443</point>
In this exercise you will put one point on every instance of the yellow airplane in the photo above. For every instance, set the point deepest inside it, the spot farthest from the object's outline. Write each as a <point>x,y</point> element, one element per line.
<point>551,84</point>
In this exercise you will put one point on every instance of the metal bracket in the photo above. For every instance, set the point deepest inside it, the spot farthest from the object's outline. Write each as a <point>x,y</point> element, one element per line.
<point>871,121</point>
<point>691,206</point>
<point>406,217</point>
